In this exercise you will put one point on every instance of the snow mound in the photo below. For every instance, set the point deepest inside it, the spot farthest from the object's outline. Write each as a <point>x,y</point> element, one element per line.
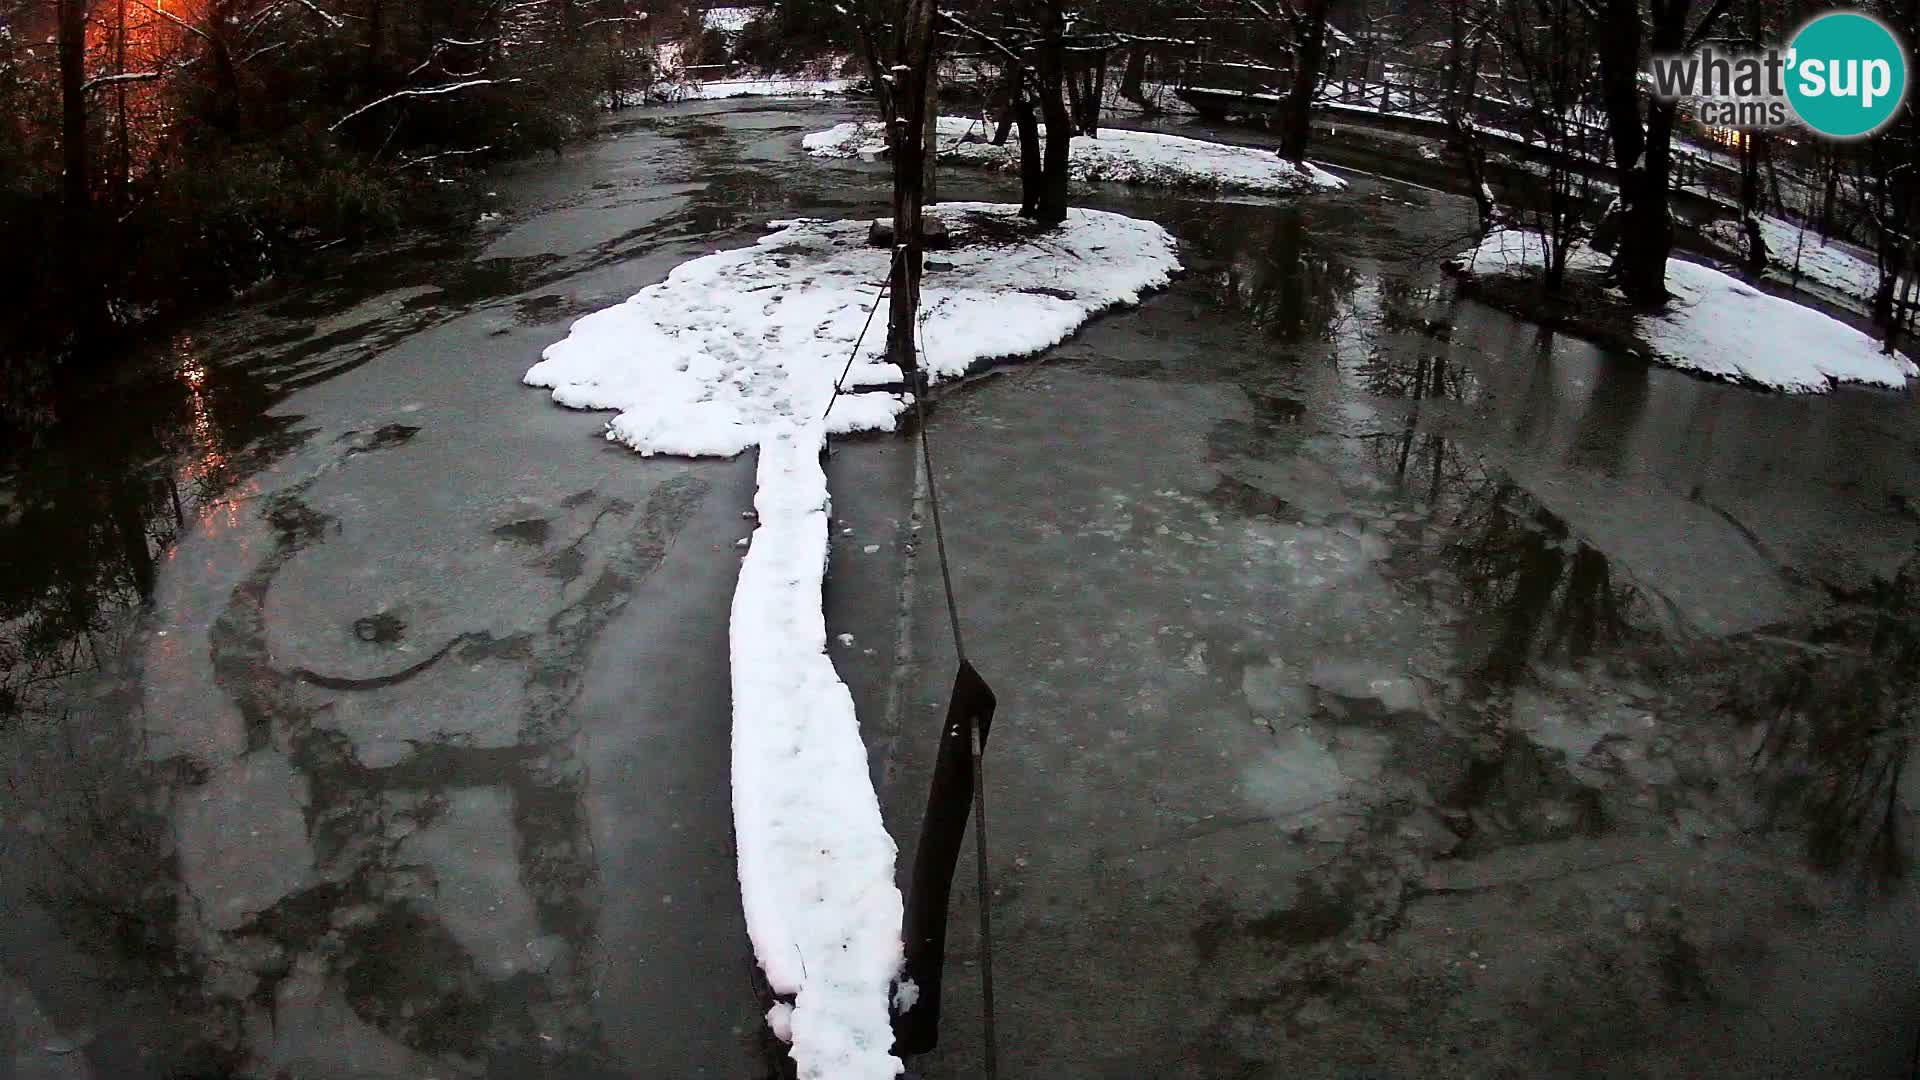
<point>1119,156</point>
<point>741,348</point>
<point>1719,326</point>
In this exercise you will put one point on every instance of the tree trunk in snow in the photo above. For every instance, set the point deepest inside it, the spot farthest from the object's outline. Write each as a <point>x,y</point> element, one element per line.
<point>914,60</point>
<point>1640,266</point>
<point>1052,207</point>
<point>1031,169</point>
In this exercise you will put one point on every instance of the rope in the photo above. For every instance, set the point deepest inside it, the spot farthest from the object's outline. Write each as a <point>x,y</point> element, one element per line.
<point>983,884</point>
<point>922,382</point>
<point>841,382</point>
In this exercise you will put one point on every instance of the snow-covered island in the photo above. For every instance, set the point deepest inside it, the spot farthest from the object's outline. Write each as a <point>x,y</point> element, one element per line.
<point>1715,324</point>
<point>743,348</point>
<point>1117,155</point>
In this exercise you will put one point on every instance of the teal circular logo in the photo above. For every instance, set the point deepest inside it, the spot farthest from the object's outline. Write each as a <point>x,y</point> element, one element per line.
<point>1847,74</point>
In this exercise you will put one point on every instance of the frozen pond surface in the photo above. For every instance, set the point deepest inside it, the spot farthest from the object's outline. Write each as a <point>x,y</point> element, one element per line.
<point>1360,654</point>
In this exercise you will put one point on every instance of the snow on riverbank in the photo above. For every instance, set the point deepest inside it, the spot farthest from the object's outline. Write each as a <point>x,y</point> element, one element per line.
<point>1719,326</point>
<point>1118,155</point>
<point>770,86</point>
<point>741,348</point>
<point>1841,267</point>
<point>730,20</point>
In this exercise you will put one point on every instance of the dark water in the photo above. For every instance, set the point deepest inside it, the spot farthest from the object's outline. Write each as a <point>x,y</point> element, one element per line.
<point>366,714</point>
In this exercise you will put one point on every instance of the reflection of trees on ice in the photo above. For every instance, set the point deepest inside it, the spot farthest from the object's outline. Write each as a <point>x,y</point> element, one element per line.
<point>1833,706</point>
<point>1545,591</point>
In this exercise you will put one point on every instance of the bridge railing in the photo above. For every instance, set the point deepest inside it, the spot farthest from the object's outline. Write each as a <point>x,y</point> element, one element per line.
<point>1497,107</point>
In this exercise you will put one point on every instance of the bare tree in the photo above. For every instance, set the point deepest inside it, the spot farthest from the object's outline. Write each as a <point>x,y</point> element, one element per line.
<point>1546,50</point>
<point>1642,148</point>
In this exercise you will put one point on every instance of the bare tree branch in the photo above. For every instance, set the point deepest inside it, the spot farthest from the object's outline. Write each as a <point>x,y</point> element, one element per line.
<point>429,91</point>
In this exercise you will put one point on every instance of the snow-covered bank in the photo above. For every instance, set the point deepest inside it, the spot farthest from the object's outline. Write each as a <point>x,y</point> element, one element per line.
<point>1719,326</point>
<point>768,86</point>
<point>1841,267</point>
<point>730,20</point>
<point>1118,155</point>
<point>741,348</point>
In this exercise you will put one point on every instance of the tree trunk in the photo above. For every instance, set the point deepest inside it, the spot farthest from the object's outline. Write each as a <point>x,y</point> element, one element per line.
<point>930,134</point>
<point>1031,169</point>
<point>1618,43</point>
<point>129,521</point>
<point>1463,72</point>
<point>226,81</point>
<point>614,101</point>
<point>76,181</point>
<point>1750,140</point>
<point>1006,103</point>
<point>123,178</point>
<point>1076,100</point>
<point>1052,208</point>
<point>1640,267</point>
<point>1096,89</point>
<point>1133,75</point>
<point>1309,51</point>
<point>914,60</point>
<point>1642,157</point>
<point>1829,196</point>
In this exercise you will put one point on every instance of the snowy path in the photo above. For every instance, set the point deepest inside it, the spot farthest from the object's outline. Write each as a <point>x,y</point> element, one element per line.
<point>741,349</point>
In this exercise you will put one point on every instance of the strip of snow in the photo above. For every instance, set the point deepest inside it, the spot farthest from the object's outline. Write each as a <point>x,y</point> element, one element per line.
<point>742,348</point>
<point>729,20</point>
<point>772,86</point>
<point>1504,251</point>
<point>1719,326</point>
<point>1118,155</point>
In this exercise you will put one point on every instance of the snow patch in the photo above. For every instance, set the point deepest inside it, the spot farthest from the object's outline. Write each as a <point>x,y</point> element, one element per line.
<point>771,86</point>
<point>780,1021</point>
<point>729,20</point>
<point>701,363</point>
<point>1120,156</point>
<point>742,348</point>
<point>1839,266</point>
<point>1719,326</point>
